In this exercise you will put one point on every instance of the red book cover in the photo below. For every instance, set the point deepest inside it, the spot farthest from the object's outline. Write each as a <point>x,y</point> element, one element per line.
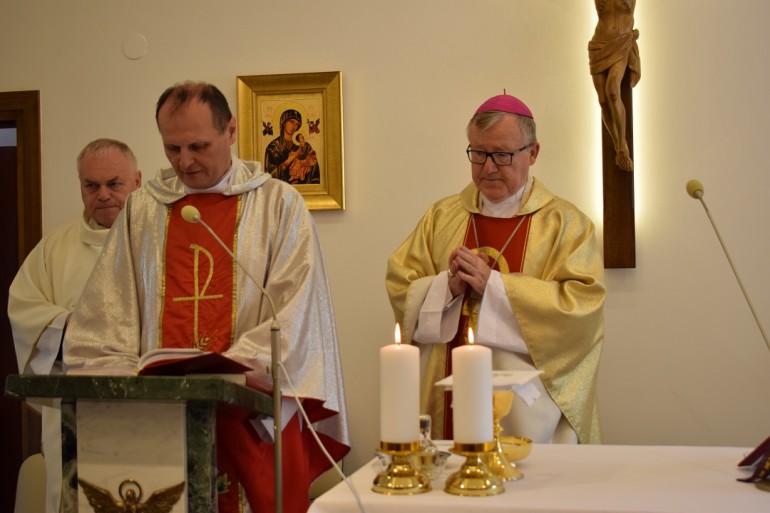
<point>754,456</point>
<point>181,362</point>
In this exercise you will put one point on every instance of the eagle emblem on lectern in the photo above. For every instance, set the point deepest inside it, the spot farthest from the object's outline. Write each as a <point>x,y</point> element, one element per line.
<point>161,501</point>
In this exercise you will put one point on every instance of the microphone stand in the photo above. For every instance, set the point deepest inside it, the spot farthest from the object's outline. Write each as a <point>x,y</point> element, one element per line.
<point>275,356</point>
<point>695,189</point>
<point>760,456</point>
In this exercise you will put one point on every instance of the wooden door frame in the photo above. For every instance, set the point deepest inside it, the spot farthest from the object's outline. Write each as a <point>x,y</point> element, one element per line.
<point>22,433</point>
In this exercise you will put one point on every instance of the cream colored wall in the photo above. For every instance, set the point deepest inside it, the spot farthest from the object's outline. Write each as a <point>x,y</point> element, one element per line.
<point>683,361</point>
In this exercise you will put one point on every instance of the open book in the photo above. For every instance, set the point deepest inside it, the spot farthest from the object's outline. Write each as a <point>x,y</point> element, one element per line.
<point>173,362</point>
<point>180,362</point>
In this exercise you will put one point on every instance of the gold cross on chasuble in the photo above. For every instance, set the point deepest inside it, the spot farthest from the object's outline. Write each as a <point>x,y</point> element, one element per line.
<point>199,275</point>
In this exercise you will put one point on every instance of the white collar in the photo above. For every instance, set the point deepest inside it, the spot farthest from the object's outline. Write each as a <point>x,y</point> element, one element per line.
<point>509,207</point>
<point>220,186</point>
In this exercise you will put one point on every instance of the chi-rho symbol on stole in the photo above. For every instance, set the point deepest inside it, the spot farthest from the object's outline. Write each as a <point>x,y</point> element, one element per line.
<point>199,275</point>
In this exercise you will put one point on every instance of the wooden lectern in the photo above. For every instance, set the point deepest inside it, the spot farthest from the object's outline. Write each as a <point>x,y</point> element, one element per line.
<point>134,436</point>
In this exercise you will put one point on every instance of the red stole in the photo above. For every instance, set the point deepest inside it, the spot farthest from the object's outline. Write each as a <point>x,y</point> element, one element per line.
<point>493,232</point>
<point>199,275</point>
<point>199,305</point>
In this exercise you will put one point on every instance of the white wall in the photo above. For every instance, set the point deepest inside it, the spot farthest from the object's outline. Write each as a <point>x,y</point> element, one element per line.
<point>683,361</point>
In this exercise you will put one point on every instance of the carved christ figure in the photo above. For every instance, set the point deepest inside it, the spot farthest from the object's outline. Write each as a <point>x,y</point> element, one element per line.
<point>611,51</point>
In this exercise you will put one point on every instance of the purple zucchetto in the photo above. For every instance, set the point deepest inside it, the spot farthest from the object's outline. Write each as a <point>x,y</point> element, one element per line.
<point>505,103</point>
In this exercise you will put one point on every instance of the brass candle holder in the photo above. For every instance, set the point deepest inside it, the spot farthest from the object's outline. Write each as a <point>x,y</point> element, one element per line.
<point>497,461</point>
<point>474,478</point>
<point>400,478</point>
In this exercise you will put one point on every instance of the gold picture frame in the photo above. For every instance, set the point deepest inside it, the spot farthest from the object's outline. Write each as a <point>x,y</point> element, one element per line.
<point>308,154</point>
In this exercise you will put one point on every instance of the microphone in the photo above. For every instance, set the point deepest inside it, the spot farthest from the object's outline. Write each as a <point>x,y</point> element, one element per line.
<point>193,215</point>
<point>695,189</point>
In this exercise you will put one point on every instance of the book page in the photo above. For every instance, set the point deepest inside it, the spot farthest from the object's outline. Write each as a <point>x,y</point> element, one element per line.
<point>166,353</point>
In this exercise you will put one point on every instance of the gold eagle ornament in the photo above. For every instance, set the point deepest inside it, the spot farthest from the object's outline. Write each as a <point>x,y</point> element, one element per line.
<point>102,501</point>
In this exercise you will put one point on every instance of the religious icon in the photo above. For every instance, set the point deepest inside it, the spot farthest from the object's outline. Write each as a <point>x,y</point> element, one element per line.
<point>290,157</point>
<point>161,501</point>
<point>292,124</point>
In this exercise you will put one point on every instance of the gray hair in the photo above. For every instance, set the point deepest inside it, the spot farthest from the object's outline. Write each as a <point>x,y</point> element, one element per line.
<point>104,146</point>
<point>486,120</point>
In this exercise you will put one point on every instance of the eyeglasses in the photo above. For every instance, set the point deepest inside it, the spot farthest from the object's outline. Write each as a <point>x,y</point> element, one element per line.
<point>500,158</point>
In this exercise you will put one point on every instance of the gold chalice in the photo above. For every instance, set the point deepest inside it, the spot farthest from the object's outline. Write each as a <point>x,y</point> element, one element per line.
<point>497,460</point>
<point>516,448</point>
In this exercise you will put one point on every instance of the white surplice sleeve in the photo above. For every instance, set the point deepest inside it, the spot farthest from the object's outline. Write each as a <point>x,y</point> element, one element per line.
<point>440,313</point>
<point>497,326</point>
<point>43,357</point>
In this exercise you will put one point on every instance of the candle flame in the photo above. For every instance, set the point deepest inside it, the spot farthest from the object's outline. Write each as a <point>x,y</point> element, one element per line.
<point>397,334</point>
<point>471,340</point>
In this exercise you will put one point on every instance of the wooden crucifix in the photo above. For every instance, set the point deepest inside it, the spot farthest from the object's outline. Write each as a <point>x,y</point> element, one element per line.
<point>615,68</point>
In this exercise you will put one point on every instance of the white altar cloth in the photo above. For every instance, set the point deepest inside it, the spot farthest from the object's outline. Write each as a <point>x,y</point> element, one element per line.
<point>583,478</point>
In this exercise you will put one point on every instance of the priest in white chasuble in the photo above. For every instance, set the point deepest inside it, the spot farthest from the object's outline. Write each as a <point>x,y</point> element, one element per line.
<point>520,266</point>
<point>51,279</point>
<point>164,282</point>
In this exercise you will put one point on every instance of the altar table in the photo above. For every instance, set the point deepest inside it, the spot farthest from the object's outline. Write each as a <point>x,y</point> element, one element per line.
<point>583,478</point>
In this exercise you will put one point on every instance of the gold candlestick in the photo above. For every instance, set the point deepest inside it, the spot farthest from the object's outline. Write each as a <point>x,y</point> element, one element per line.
<point>400,478</point>
<point>474,477</point>
<point>497,460</point>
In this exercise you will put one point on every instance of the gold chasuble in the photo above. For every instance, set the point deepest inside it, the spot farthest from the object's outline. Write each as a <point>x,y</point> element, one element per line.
<point>503,241</point>
<point>198,275</point>
<point>554,282</point>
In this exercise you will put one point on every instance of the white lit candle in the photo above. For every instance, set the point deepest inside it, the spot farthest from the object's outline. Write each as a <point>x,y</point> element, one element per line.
<point>472,393</point>
<point>399,392</point>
